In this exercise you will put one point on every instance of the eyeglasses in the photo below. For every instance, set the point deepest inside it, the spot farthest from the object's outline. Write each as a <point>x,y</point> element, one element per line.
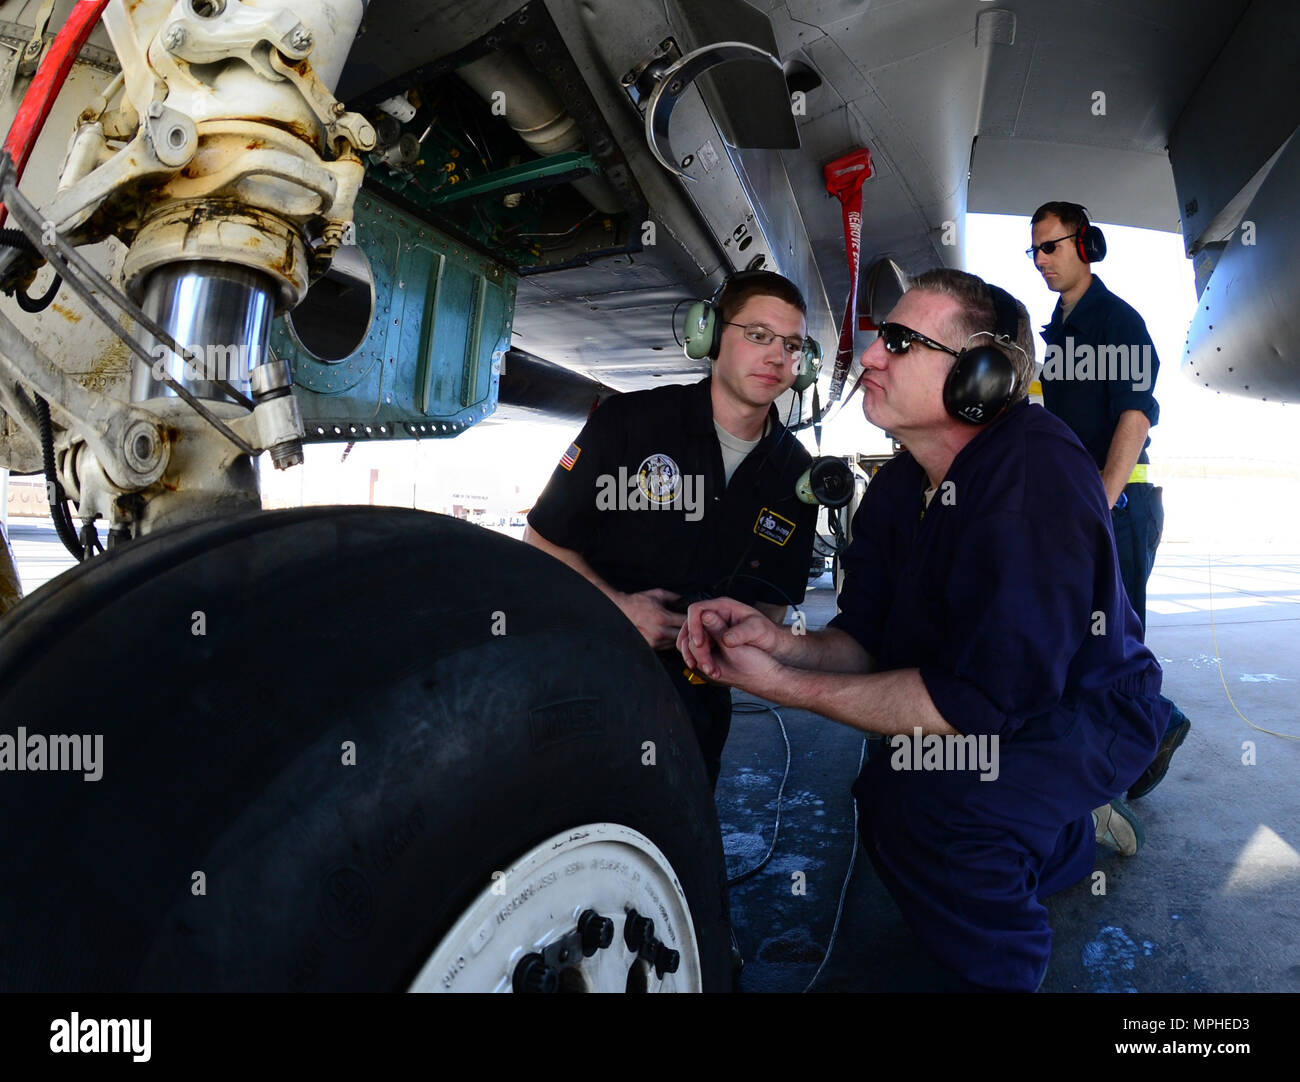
<point>762,336</point>
<point>898,339</point>
<point>1049,246</point>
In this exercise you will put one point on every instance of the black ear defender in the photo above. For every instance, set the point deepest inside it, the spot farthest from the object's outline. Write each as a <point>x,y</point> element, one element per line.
<point>1090,241</point>
<point>983,379</point>
<point>703,331</point>
<point>828,481</point>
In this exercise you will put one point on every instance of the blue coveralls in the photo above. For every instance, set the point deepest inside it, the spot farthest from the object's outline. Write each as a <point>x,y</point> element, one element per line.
<point>1007,596</point>
<point>1092,408</point>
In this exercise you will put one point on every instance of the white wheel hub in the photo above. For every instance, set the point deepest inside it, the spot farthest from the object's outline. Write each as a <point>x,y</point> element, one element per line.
<point>541,923</point>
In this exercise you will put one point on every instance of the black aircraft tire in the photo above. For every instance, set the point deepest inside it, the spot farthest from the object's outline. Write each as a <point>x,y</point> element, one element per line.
<point>230,665</point>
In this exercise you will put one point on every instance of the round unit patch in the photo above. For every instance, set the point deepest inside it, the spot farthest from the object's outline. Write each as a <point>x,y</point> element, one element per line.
<point>659,478</point>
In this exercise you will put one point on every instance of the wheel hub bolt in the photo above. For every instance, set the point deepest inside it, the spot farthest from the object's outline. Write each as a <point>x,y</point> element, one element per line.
<point>637,931</point>
<point>666,960</point>
<point>597,932</point>
<point>532,974</point>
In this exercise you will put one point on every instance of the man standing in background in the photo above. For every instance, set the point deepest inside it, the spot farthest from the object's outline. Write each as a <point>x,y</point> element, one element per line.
<point>1099,376</point>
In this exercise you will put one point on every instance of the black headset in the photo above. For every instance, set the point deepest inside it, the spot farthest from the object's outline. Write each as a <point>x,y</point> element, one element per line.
<point>1090,242</point>
<point>703,331</point>
<point>981,383</point>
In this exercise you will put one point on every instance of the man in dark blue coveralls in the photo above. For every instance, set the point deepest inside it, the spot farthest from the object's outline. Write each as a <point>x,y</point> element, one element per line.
<point>982,603</point>
<point>1099,377</point>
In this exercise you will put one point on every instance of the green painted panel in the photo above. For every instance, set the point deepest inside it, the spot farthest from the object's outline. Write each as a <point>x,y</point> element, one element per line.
<point>429,362</point>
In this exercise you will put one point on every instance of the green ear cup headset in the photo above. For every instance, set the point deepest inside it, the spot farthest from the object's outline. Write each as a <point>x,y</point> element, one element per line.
<point>810,365</point>
<point>703,331</point>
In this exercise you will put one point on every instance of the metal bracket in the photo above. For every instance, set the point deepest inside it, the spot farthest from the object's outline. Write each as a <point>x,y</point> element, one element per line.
<point>27,52</point>
<point>31,54</point>
<point>15,37</point>
<point>340,125</point>
<point>126,439</point>
<point>676,80</point>
<point>172,134</point>
<point>640,81</point>
<point>73,206</point>
<point>241,32</point>
<point>279,156</point>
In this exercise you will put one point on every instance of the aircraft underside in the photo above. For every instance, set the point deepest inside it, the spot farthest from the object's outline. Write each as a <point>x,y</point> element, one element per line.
<point>336,760</point>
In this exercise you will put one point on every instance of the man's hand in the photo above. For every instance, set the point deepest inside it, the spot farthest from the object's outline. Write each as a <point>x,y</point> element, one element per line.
<point>726,623</point>
<point>733,644</point>
<point>1125,448</point>
<point>658,624</point>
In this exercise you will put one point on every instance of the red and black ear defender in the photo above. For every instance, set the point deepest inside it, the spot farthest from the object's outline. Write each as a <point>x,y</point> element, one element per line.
<point>1090,242</point>
<point>982,381</point>
<point>703,330</point>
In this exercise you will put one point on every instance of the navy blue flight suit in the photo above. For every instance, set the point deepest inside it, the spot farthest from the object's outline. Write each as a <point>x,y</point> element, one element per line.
<point>1092,408</point>
<point>1006,594</point>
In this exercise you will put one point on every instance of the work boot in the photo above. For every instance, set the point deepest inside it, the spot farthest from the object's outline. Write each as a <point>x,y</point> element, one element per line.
<point>1118,827</point>
<point>1154,774</point>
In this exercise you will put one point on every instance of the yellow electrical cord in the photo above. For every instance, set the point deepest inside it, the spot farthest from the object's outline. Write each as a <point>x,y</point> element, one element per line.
<point>1218,662</point>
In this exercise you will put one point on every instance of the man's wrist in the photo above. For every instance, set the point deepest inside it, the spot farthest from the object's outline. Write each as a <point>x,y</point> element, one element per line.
<point>1114,484</point>
<point>788,649</point>
<point>801,651</point>
<point>801,686</point>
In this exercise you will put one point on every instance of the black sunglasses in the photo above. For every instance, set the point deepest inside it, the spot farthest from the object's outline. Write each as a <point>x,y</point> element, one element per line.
<point>898,339</point>
<point>1049,246</point>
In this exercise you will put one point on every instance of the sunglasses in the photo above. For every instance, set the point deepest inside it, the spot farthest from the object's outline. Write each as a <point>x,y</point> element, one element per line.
<point>1049,246</point>
<point>898,339</point>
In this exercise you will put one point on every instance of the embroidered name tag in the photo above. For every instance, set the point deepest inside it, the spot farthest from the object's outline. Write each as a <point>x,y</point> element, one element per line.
<point>773,527</point>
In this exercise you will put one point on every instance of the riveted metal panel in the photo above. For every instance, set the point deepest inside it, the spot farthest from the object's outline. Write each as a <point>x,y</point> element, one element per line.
<point>1243,337</point>
<point>429,362</point>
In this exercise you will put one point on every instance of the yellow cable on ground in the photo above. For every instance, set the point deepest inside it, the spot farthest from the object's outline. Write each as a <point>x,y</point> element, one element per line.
<point>1218,662</point>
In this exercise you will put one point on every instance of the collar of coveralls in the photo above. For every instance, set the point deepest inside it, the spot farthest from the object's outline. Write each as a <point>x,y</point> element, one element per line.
<point>1094,296</point>
<point>699,411</point>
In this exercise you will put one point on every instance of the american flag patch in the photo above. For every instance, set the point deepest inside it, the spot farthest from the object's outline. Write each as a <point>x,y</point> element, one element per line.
<point>570,456</point>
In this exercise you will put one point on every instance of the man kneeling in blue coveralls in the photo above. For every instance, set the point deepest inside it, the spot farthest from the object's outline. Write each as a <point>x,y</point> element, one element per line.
<point>982,618</point>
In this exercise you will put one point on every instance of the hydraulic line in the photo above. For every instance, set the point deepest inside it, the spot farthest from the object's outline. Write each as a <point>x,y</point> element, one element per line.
<point>16,238</point>
<point>32,304</point>
<point>58,499</point>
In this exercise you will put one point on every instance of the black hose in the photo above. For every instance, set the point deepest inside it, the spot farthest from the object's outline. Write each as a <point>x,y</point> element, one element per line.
<point>16,238</point>
<point>58,506</point>
<point>29,303</point>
